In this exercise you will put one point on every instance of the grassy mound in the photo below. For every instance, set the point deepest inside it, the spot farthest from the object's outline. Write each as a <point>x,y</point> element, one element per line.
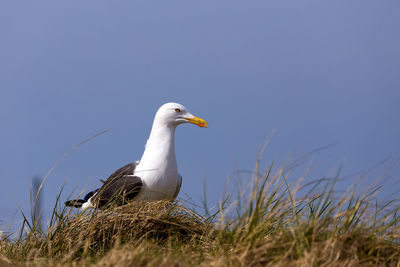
<point>266,225</point>
<point>159,222</point>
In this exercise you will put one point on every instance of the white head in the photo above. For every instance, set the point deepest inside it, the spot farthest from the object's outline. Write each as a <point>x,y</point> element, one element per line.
<point>173,114</point>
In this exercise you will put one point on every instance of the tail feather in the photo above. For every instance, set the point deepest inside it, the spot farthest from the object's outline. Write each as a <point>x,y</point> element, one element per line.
<point>76,203</point>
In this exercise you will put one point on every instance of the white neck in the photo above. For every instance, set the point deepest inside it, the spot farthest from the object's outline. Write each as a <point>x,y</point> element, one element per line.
<point>159,153</point>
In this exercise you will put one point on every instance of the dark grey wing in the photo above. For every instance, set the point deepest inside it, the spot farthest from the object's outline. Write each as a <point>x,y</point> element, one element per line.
<point>178,186</point>
<point>121,179</point>
<point>119,188</point>
<point>128,169</point>
<point>119,191</point>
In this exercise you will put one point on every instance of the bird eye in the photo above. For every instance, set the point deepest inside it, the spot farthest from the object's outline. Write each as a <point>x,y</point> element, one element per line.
<point>177,110</point>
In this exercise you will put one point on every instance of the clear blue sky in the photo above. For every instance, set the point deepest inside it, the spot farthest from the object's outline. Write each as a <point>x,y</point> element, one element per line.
<point>319,72</point>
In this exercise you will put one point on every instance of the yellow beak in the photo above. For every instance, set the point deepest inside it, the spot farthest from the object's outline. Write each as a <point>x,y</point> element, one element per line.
<point>198,121</point>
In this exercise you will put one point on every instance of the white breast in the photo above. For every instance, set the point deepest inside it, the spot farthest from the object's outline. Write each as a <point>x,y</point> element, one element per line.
<point>159,172</point>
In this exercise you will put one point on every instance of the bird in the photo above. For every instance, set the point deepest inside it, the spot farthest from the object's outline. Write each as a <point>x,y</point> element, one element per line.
<point>155,176</point>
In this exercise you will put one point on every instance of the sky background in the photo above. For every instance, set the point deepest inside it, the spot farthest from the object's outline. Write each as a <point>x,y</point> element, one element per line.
<point>319,72</point>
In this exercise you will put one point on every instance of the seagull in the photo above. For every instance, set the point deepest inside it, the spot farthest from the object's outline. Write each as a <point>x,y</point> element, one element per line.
<point>153,177</point>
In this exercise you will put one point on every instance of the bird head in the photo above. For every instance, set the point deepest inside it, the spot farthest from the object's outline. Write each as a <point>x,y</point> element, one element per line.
<point>174,114</point>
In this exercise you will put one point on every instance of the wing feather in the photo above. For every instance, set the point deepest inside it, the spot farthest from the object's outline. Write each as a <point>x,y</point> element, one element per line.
<point>119,188</point>
<point>178,186</point>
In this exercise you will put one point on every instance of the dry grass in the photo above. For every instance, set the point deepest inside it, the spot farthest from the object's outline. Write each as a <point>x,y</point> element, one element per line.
<point>268,225</point>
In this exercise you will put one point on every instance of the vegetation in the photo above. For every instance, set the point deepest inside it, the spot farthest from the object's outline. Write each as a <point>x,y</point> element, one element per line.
<point>273,223</point>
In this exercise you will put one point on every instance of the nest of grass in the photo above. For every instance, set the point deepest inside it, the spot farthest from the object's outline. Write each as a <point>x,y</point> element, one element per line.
<point>158,222</point>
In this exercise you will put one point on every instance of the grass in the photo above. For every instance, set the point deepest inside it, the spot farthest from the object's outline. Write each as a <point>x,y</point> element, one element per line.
<point>271,224</point>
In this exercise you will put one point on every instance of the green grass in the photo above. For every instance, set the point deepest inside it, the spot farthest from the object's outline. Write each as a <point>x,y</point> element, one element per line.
<point>270,223</point>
